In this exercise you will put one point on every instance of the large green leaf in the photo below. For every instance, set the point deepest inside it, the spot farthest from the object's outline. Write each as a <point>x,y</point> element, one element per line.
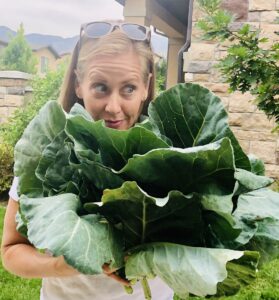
<point>190,175</point>
<point>99,175</point>
<point>190,115</point>
<point>248,181</point>
<point>187,170</point>
<point>49,154</point>
<point>60,173</point>
<point>221,228</point>
<point>176,218</point>
<point>257,165</point>
<point>115,146</point>
<point>79,110</point>
<point>86,242</point>
<point>258,214</point>
<point>185,269</point>
<point>28,151</point>
<point>153,127</point>
<point>54,168</point>
<point>241,272</point>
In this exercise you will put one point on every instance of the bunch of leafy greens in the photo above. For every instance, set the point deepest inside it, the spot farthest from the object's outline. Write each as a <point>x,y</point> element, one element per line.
<point>175,194</point>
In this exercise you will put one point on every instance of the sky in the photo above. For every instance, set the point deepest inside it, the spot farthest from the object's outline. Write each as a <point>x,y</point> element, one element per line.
<point>56,17</point>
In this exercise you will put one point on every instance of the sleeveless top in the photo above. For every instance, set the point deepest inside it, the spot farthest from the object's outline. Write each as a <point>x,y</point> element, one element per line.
<point>94,287</point>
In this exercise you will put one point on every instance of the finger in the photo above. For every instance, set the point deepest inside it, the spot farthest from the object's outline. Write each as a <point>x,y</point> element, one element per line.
<point>107,269</point>
<point>119,279</point>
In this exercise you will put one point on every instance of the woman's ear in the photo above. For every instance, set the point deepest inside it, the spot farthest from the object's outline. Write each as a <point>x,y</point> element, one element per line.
<point>147,86</point>
<point>78,91</point>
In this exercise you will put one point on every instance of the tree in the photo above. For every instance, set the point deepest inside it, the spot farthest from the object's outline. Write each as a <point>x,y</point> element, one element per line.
<point>161,75</point>
<point>248,66</point>
<point>18,54</point>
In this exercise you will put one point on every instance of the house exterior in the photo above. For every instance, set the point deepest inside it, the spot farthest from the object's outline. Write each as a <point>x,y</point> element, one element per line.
<point>251,127</point>
<point>46,56</point>
<point>46,59</point>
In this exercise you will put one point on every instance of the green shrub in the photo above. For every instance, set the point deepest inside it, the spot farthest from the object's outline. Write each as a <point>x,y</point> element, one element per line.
<point>6,166</point>
<point>161,75</point>
<point>44,89</point>
<point>275,186</point>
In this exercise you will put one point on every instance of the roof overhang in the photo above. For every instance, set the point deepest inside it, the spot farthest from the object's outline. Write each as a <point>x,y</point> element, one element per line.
<point>170,17</point>
<point>49,47</point>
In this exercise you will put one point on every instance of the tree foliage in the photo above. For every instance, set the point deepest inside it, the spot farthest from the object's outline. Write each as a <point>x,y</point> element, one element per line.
<point>161,75</point>
<point>44,89</point>
<point>250,65</point>
<point>18,54</point>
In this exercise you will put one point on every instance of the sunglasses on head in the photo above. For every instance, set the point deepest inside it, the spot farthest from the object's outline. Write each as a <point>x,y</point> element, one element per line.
<point>96,30</point>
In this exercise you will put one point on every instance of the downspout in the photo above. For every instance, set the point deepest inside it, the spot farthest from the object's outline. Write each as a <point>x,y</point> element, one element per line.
<point>186,46</point>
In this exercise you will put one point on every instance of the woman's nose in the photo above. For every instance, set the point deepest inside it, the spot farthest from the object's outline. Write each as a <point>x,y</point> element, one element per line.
<point>113,104</point>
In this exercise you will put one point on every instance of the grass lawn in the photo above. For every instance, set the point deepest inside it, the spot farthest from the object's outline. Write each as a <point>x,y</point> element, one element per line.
<point>13,287</point>
<point>265,287</point>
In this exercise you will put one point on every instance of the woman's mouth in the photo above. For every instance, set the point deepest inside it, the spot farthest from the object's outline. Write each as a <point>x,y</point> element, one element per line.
<point>113,123</point>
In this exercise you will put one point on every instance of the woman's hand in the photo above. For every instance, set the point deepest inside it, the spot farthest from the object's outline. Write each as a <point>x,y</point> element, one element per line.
<point>111,273</point>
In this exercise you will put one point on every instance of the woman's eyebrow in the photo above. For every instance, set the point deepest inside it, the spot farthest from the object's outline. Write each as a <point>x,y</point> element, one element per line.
<point>131,78</point>
<point>98,78</point>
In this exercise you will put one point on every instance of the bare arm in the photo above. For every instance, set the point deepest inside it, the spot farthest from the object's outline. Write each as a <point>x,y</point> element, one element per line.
<point>22,259</point>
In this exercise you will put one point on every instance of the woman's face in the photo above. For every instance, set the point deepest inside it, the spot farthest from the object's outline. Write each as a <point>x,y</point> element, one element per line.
<point>113,90</point>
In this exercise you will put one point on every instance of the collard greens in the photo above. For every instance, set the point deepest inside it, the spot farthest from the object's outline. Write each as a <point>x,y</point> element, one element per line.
<point>175,194</point>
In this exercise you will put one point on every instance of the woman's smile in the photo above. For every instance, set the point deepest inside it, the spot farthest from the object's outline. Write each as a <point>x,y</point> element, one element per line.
<point>116,124</point>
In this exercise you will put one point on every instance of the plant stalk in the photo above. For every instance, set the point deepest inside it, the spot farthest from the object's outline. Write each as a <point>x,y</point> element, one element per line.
<point>146,289</point>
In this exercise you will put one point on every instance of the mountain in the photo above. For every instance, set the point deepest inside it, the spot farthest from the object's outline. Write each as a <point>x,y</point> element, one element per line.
<point>6,33</point>
<point>60,44</point>
<point>64,45</point>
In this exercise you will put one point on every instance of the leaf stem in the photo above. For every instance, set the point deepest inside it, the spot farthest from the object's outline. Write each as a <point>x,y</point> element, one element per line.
<point>146,289</point>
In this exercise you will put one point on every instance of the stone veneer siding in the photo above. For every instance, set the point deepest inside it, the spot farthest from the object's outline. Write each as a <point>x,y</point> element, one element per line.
<point>251,127</point>
<point>14,87</point>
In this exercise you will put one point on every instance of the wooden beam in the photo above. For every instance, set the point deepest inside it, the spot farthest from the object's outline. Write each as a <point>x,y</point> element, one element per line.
<point>154,14</point>
<point>138,10</point>
<point>163,20</point>
<point>172,70</point>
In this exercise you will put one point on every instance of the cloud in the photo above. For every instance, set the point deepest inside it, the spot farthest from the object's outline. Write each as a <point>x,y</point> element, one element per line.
<point>56,17</point>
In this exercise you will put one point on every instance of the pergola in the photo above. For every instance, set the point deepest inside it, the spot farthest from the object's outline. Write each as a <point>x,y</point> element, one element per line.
<point>174,19</point>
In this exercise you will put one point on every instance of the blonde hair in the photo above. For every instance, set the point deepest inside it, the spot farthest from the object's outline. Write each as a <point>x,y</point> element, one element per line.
<point>114,43</point>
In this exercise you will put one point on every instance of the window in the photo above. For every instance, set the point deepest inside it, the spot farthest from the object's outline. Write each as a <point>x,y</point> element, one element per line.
<point>44,64</point>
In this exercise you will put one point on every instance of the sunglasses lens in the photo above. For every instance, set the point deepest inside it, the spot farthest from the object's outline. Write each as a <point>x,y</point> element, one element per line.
<point>96,30</point>
<point>134,31</point>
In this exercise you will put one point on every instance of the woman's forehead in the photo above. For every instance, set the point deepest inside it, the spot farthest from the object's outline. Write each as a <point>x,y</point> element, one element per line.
<point>125,63</point>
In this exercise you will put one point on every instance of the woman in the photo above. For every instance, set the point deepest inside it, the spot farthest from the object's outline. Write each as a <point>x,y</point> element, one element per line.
<point>112,75</point>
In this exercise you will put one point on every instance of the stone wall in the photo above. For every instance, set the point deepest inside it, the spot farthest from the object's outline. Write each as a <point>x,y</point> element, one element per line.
<point>14,87</point>
<point>251,126</point>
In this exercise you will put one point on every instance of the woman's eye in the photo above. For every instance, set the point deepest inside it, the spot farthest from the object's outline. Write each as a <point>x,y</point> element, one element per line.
<point>100,88</point>
<point>129,89</point>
